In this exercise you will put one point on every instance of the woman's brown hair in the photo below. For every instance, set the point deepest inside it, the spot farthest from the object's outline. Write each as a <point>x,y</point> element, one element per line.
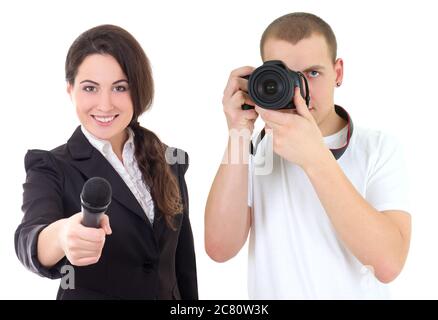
<point>149,150</point>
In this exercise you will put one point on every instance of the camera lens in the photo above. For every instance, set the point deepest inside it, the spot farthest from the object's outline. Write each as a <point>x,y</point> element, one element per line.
<point>270,87</point>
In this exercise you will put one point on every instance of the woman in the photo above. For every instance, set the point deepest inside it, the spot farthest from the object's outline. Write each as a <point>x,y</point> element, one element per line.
<point>144,247</point>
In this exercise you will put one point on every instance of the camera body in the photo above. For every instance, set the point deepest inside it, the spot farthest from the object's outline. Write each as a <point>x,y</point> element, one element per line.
<point>272,86</point>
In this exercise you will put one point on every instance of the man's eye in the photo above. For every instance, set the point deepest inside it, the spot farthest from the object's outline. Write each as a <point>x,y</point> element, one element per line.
<point>90,89</point>
<point>120,89</point>
<point>313,74</point>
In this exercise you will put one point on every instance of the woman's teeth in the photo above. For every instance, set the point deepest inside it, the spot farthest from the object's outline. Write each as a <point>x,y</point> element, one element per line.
<point>104,119</point>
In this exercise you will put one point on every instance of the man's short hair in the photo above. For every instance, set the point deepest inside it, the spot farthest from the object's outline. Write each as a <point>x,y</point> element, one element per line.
<point>296,26</point>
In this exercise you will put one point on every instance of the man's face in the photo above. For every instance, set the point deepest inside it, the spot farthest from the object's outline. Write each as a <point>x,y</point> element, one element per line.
<point>311,56</point>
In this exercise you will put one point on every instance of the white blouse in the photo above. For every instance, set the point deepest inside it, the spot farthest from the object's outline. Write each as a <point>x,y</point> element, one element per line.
<point>128,170</point>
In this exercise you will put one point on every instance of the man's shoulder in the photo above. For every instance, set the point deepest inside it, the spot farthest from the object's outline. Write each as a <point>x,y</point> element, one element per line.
<point>373,148</point>
<point>371,139</point>
<point>364,135</point>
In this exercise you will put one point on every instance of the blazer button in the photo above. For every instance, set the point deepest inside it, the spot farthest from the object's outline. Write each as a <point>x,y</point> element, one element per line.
<point>148,267</point>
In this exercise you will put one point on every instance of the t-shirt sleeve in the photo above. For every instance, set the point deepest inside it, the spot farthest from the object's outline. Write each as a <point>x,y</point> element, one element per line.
<point>388,182</point>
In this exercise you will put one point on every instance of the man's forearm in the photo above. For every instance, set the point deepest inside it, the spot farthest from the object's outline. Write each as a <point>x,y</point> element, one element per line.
<point>227,220</point>
<point>370,235</point>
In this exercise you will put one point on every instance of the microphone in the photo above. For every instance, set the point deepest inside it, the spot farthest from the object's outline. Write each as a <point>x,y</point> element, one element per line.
<point>95,200</point>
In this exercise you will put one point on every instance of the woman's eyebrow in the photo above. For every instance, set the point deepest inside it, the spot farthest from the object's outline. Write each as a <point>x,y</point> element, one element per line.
<point>121,80</point>
<point>96,83</point>
<point>93,82</point>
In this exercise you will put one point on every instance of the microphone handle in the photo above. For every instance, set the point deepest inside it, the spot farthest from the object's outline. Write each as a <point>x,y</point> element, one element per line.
<point>91,219</point>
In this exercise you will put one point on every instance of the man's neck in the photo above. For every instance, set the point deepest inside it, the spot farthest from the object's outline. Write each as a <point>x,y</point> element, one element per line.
<point>331,124</point>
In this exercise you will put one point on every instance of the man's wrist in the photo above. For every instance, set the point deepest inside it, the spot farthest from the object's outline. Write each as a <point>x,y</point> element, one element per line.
<point>320,165</point>
<point>238,147</point>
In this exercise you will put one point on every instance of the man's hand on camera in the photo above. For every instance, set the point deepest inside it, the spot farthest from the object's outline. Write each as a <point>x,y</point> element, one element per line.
<point>296,136</point>
<point>235,95</point>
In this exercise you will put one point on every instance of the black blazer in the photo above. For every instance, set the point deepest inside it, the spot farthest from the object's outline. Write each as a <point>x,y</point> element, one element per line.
<point>139,260</point>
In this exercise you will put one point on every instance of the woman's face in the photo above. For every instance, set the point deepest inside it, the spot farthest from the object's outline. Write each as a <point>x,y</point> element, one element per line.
<point>101,96</point>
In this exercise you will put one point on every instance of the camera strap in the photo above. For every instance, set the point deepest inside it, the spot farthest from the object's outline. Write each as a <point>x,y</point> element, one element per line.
<point>338,152</point>
<point>306,85</point>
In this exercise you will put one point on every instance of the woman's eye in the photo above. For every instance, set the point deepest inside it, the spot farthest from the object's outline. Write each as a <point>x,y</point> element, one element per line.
<point>90,89</point>
<point>120,89</point>
<point>313,74</point>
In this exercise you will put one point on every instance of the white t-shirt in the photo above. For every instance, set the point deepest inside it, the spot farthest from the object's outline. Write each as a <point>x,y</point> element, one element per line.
<point>294,251</point>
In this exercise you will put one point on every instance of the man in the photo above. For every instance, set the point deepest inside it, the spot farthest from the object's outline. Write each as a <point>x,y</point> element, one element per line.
<point>321,227</point>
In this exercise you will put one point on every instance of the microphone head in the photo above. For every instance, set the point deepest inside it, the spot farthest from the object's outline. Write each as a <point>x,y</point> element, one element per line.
<point>96,194</point>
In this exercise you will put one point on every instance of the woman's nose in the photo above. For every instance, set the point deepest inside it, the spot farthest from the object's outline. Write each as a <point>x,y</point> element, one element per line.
<point>105,102</point>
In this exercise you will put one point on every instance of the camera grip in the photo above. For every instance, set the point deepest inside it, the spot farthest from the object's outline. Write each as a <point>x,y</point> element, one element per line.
<point>247,107</point>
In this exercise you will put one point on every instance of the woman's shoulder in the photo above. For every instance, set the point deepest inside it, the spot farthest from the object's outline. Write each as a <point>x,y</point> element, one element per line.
<point>178,159</point>
<point>39,158</point>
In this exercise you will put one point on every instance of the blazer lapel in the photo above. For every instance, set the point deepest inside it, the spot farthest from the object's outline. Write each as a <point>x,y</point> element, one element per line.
<point>93,164</point>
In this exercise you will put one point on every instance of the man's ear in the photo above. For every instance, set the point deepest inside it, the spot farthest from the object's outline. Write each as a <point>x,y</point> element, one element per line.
<point>339,70</point>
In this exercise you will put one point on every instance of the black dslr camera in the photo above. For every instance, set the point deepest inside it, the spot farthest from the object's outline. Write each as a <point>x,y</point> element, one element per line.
<point>272,85</point>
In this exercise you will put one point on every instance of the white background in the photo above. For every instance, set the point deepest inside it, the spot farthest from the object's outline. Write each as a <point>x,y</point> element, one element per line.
<point>390,55</point>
